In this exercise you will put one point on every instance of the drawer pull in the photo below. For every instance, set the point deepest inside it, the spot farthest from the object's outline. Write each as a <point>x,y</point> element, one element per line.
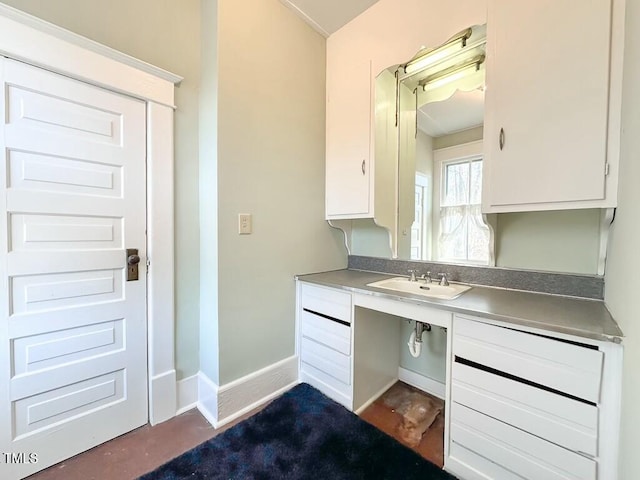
<point>341,322</point>
<point>484,368</point>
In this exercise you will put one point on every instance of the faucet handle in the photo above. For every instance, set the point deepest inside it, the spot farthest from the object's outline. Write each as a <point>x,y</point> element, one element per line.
<point>443,279</point>
<point>412,274</point>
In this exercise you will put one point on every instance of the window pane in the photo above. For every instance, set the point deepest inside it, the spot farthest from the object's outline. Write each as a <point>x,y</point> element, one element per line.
<point>453,238</point>
<point>456,177</point>
<point>476,182</point>
<point>478,238</point>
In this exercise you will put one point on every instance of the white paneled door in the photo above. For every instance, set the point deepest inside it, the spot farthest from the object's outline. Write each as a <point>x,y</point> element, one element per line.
<point>73,351</point>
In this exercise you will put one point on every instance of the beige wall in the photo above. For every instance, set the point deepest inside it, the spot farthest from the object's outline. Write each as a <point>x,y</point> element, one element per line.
<point>560,241</point>
<point>369,240</point>
<point>271,130</point>
<point>622,282</point>
<point>465,136</point>
<point>167,34</point>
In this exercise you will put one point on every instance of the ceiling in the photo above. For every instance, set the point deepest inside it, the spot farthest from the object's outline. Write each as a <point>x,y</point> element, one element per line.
<point>462,111</point>
<point>327,16</point>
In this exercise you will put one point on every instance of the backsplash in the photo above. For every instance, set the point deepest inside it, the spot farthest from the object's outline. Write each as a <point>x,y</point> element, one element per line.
<point>585,286</point>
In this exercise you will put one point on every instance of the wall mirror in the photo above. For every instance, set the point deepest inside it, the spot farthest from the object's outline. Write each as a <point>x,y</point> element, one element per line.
<point>429,120</point>
<point>440,105</point>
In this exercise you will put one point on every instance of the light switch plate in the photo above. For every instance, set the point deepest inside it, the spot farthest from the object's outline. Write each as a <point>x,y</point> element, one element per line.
<point>244,223</point>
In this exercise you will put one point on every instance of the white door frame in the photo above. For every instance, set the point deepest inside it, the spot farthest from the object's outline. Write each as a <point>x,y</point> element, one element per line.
<point>29,39</point>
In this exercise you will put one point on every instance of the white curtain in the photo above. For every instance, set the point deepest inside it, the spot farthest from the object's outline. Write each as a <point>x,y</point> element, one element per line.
<point>463,234</point>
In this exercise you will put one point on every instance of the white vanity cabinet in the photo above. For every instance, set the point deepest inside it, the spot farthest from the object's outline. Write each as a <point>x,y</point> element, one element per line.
<point>529,405</point>
<point>552,105</point>
<point>325,341</point>
<point>351,364</point>
<point>522,399</point>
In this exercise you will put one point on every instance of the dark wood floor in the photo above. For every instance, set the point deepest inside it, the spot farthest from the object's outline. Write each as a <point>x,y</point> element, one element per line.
<point>135,453</point>
<point>387,419</point>
<point>142,450</point>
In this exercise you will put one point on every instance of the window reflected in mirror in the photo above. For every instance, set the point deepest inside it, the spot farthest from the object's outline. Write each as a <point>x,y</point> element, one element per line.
<point>461,235</point>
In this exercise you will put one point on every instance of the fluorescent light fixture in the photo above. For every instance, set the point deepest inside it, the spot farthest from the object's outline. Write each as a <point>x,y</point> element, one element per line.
<point>453,45</point>
<point>451,74</point>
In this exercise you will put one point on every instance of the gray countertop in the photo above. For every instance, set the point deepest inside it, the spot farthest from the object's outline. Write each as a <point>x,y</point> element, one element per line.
<point>568,315</point>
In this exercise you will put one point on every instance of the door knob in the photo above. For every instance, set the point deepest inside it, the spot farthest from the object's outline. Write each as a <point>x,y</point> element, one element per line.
<point>133,259</point>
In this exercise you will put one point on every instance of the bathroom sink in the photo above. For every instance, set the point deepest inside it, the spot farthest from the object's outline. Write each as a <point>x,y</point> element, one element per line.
<point>431,290</point>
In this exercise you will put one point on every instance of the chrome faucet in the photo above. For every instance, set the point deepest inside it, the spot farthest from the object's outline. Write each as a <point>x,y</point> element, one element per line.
<point>443,279</point>
<point>427,277</point>
<point>412,274</point>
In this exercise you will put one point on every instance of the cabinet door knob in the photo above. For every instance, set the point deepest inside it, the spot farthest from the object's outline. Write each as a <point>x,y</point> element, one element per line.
<point>501,138</point>
<point>363,167</point>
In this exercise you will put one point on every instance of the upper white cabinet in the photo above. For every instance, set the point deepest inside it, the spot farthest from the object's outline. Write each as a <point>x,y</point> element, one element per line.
<point>348,173</point>
<point>552,105</point>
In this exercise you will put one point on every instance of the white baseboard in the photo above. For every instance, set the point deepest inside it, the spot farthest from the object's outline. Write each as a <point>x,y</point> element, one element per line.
<point>187,394</point>
<point>208,399</point>
<point>426,384</point>
<point>223,404</point>
<point>162,397</point>
<point>246,393</point>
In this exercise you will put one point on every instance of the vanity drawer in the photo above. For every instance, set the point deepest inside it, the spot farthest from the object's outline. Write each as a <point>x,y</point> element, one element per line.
<point>474,466</point>
<point>326,331</point>
<point>326,301</point>
<point>557,365</point>
<point>515,451</point>
<point>328,385</point>
<point>327,360</point>
<point>567,422</point>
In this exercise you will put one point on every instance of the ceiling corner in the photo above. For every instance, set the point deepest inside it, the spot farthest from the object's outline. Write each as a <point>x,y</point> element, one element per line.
<point>328,16</point>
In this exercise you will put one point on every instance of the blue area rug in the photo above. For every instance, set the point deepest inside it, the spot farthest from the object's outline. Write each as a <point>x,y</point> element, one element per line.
<point>301,435</point>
